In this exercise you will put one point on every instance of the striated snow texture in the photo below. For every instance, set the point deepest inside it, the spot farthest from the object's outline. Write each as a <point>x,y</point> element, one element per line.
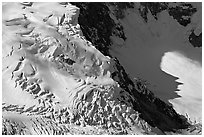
<point>56,82</point>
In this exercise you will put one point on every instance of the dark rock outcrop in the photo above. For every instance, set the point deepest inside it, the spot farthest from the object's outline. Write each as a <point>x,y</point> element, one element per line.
<point>153,110</point>
<point>195,40</point>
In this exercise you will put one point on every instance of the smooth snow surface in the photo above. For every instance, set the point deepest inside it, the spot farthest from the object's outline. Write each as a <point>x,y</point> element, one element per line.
<point>159,52</point>
<point>189,73</point>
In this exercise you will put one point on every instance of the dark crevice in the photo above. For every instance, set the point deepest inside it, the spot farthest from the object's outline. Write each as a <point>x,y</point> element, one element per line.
<point>66,60</point>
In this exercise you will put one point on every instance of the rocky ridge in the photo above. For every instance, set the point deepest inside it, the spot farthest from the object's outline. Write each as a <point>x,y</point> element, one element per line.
<point>98,96</point>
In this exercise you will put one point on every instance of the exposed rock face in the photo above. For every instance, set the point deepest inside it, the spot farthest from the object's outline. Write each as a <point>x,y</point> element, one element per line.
<point>99,27</point>
<point>104,23</point>
<point>56,82</point>
<point>181,12</point>
<point>195,40</point>
<point>116,14</point>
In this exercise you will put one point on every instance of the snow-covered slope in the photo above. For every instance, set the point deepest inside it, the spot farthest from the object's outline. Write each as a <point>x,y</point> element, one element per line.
<point>50,68</point>
<point>56,82</point>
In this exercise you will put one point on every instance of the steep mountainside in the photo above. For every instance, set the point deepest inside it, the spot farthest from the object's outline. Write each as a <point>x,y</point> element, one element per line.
<point>146,38</point>
<point>59,78</point>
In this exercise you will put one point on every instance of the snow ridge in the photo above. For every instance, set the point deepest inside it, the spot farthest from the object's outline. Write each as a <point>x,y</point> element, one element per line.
<point>66,79</point>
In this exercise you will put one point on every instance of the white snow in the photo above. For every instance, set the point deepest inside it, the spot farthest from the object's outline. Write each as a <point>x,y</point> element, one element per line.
<point>40,70</point>
<point>189,73</point>
<point>158,52</point>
